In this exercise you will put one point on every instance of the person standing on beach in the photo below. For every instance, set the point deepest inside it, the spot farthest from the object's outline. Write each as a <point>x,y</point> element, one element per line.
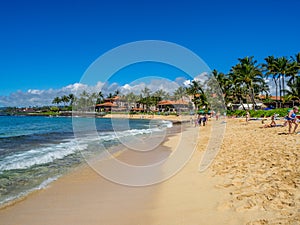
<point>247,117</point>
<point>292,119</point>
<point>217,115</point>
<point>204,119</point>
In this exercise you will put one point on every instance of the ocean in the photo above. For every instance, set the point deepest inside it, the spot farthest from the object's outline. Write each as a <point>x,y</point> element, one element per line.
<point>37,150</point>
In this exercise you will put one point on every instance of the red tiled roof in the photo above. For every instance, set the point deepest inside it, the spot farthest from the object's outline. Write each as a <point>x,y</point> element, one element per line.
<point>169,102</point>
<point>107,104</point>
<point>271,97</point>
<point>137,109</point>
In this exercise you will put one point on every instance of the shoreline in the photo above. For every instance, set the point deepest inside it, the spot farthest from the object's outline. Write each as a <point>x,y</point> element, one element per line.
<point>115,150</point>
<point>173,118</point>
<point>253,180</point>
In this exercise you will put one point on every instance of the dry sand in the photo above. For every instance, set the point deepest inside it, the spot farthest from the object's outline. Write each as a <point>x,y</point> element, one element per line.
<point>254,179</point>
<point>260,168</point>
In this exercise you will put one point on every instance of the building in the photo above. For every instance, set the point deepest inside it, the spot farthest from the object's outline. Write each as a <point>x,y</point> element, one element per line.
<point>172,106</point>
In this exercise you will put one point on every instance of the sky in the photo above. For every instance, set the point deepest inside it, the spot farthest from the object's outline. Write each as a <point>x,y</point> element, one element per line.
<point>47,46</point>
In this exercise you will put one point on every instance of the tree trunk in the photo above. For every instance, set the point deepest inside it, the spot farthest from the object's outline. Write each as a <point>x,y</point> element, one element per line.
<point>252,97</point>
<point>241,102</point>
<point>279,92</point>
<point>283,84</point>
<point>276,91</point>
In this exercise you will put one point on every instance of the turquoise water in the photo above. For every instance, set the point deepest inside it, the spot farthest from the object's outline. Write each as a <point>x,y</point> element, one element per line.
<point>34,151</point>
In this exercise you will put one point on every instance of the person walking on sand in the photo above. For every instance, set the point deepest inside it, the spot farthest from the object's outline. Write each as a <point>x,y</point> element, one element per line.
<point>292,119</point>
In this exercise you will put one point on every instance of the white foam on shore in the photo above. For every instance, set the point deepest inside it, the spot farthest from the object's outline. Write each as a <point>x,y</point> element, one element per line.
<point>167,123</point>
<point>39,156</point>
<point>43,185</point>
<point>48,154</point>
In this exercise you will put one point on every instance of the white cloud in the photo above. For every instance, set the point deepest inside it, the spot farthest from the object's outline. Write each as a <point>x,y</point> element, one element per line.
<point>187,83</point>
<point>35,97</point>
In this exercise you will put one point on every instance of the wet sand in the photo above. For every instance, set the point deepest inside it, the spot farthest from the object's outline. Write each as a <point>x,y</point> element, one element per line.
<point>253,180</point>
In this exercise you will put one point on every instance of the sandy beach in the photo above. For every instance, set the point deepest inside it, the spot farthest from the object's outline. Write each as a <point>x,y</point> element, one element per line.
<point>253,180</point>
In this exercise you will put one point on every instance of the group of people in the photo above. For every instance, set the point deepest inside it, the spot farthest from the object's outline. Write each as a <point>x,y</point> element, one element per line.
<point>290,120</point>
<point>200,119</point>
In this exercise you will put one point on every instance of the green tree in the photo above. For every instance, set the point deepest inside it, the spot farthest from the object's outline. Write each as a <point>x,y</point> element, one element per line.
<point>110,96</point>
<point>162,94</point>
<point>131,98</point>
<point>82,103</point>
<point>295,68</point>
<point>247,74</point>
<point>270,68</point>
<point>226,86</point>
<point>146,92</point>
<point>198,96</point>
<point>65,99</point>
<point>179,93</point>
<point>281,68</point>
<point>116,93</point>
<point>100,98</point>
<point>293,93</point>
<point>71,99</point>
<point>56,100</point>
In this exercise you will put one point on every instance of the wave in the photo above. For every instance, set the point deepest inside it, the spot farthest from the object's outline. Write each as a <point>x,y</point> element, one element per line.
<point>38,156</point>
<point>50,152</point>
<point>166,123</point>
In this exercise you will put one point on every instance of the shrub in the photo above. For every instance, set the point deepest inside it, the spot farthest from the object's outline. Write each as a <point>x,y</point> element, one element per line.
<point>54,109</point>
<point>259,113</point>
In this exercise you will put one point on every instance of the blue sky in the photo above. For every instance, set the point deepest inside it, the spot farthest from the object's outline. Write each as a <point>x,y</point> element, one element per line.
<point>49,44</point>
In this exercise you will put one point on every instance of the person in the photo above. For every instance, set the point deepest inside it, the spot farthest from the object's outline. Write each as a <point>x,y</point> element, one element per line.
<point>272,124</point>
<point>199,119</point>
<point>247,117</point>
<point>204,119</point>
<point>196,120</point>
<point>292,119</point>
<point>217,115</point>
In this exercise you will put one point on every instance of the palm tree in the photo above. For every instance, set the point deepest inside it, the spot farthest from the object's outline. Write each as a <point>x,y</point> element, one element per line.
<point>71,99</point>
<point>225,84</point>
<point>146,92</point>
<point>131,98</point>
<point>65,99</point>
<point>93,99</point>
<point>238,93</point>
<point>295,67</point>
<point>110,96</point>
<point>281,68</point>
<point>162,94</point>
<point>262,88</point>
<point>83,101</point>
<point>116,93</point>
<point>56,100</point>
<point>270,68</point>
<point>248,74</point>
<point>198,96</point>
<point>100,98</point>
<point>179,93</point>
<point>294,93</point>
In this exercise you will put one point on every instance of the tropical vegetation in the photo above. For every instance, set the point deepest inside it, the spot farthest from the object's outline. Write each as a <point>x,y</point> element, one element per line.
<point>247,82</point>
